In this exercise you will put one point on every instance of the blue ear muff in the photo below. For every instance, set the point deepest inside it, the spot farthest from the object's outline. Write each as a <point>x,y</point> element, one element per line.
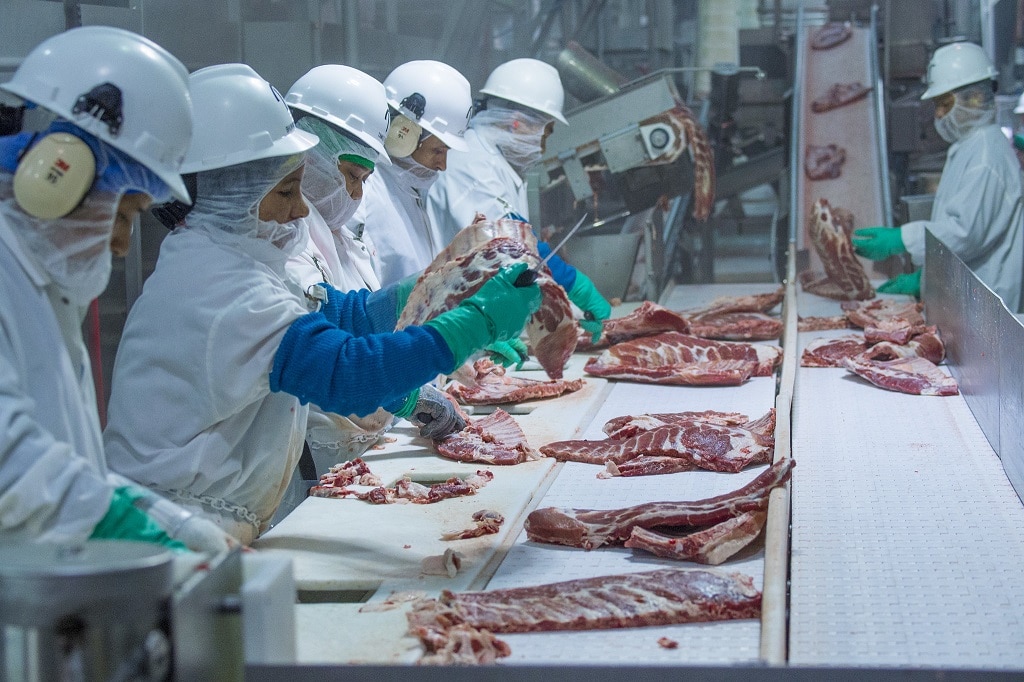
<point>54,175</point>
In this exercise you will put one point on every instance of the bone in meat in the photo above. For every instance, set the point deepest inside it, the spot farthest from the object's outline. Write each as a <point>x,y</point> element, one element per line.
<point>831,352</point>
<point>916,376</point>
<point>840,94</point>
<point>492,439</point>
<point>493,386</point>
<point>708,546</point>
<point>627,426</point>
<point>829,229</point>
<point>824,162</point>
<point>647,320</point>
<point>737,326</point>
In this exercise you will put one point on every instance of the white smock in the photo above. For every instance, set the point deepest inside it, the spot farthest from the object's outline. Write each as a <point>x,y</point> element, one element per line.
<point>392,219</point>
<point>339,259</point>
<point>52,485</point>
<point>478,180</point>
<point>977,213</point>
<point>191,412</point>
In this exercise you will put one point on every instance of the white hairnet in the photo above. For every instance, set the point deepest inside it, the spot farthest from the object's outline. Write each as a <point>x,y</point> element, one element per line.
<point>75,250</point>
<point>228,200</point>
<point>335,143</point>
<point>322,182</point>
<point>975,107</point>
<point>518,134</point>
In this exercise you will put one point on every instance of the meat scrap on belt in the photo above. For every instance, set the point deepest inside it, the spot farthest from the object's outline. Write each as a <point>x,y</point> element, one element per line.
<point>829,229</point>
<point>475,254</point>
<point>335,483</point>
<point>839,95</point>
<point>674,445</point>
<point>683,359</point>
<point>831,34</point>
<point>457,627</point>
<point>824,162</point>
<point>593,528</point>
<point>493,386</point>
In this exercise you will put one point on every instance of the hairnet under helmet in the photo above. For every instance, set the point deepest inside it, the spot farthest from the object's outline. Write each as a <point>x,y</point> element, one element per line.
<point>973,108</point>
<point>323,183</point>
<point>517,133</point>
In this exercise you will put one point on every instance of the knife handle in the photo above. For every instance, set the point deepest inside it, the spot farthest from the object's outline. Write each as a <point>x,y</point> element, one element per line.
<point>526,278</point>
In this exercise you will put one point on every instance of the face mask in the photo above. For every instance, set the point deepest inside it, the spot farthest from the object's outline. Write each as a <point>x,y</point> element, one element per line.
<point>947,128</point>
<point>412,173</point>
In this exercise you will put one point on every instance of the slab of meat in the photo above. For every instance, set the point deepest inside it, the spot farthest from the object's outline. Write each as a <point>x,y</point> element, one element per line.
<point>824,162</point>
<point>916,376</point>
<point>674,358</point>
<point>820,324</point>
<point>628,426</point>
<point>737,326</point>
<point>831,34</point>
<point>839,95</point>
<point>754,303</point>
<point>494,387</point>
<point>829,229</point>
<point>661,597</point>
<point>486,522</point>
<point>696,444</point>
<point>708,546</point>
<point>648,319</point>
<point>593,528</point>
<point>887,319</point>
<point>475,255</point>
<point>925,345</point>
<point>832,352</point>
<point>493,439</point>
<point>703,160</point>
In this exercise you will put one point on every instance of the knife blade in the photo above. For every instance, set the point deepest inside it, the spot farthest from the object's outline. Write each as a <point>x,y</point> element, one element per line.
<point>530,276</point>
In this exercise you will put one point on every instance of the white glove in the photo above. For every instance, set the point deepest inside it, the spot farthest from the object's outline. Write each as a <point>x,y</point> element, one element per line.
<point>203,535</point>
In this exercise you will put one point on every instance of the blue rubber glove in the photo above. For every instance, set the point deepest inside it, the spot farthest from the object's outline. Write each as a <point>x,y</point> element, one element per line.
<point>508,353</point>
<point>125,521</point>
<point>878,243</point>
<point>909,284</point>
<point>496,312</point>
<point>595,309</point>
<point>563,273</point>
<point>435,414</point>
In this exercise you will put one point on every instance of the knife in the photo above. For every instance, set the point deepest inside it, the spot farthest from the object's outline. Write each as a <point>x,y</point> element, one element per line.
<point>530,276</point>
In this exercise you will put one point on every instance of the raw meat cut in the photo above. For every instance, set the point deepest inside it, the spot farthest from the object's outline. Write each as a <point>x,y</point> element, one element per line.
<point>493,386</point>
<point>703,160</point>
<point>820,324</point>
<point>756,303</point>
<point>736,326</point>
<point>660,597</point>
<point>829,229</point>
<point>493,439</point>
<point>474,255</point>
<point>831,352</point>
<point>925,345</point>
<point>708,546</point>
<point>628,426</point>
<point>335,484</point>
<point>675,358</point>
<point>824,162</point>
<point>593,528</point>
<point>696,444</point>
<point>839,95</point>
<point>648,319</point>
<point>916,376</point>
<point>486,522</point>
<point>831,34</point>
<point>886,319</point>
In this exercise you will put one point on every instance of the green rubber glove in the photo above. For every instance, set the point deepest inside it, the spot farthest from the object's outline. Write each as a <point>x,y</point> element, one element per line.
<point>588,299</point>
<point>496,312</point>
<point>909,284</point>
<point>124,521</point>
<point>878,243</point>
<point>508,353</point>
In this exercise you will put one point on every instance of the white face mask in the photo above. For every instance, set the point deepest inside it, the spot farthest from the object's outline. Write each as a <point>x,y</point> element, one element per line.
<point>412,173</point>
<point>946,127</point>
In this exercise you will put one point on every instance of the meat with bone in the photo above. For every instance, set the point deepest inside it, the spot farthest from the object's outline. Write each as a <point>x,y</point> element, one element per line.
<point>476,253</point>
<point>628,426</point>
<point>711,545</point>
<point>648,319</point>
<point>820,324</point>
<point>839,95</point>
<point>492,439</point>
<point>829,229</point>
<point>737,326</point>
<point>886,319</point>
<point>916,376</point>
<point>831,34</point>
<point>925,345</point>
<point>696,444</point>
<point>494,386</point>
<point>336,482</point>
<point>674,358</point>
<point>755,303</point>
<point>831,352</point>
<point>824,162</point>
<point>661,597</point>
<point>593,528</point>
<point>703,160</point>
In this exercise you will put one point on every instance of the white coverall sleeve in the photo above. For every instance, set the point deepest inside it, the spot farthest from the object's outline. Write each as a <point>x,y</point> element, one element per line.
<point>457,196</point>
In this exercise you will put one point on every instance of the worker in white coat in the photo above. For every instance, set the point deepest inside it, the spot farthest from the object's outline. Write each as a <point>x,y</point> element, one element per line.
<point>977,209</point>
<point>521,101</point>
<point>223,351</point>
<point>348,111</point>
<point>431,103</point>
<point>68,196</point>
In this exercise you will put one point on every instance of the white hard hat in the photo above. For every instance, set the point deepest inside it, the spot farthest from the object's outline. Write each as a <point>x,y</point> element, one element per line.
<point>346,98</point>
<point>1020,105</point>
<point>956,65</point>
<point>239,117</point>
<point>529,82</point>
<point>119,86</point>
<point>445,101</point>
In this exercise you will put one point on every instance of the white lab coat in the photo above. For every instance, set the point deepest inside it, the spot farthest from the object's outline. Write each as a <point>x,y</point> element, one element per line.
<point>977,212</point>
<point>191,411</point>
<point>392,219</point>
<point>52,485</point>
<point>342,261</point>
<point>475,181</point>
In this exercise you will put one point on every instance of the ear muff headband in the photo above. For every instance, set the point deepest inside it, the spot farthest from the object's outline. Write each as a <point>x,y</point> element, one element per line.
<point>403,136</point>
<point>54,176</point>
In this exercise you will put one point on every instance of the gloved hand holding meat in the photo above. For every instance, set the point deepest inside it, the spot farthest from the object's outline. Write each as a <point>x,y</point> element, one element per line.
<point>436,414</point>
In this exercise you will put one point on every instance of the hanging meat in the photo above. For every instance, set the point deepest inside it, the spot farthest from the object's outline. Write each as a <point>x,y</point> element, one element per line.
<point>829,229</point>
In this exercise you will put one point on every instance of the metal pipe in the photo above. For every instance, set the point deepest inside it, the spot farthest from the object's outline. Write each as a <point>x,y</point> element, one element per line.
<point>883,153</point>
